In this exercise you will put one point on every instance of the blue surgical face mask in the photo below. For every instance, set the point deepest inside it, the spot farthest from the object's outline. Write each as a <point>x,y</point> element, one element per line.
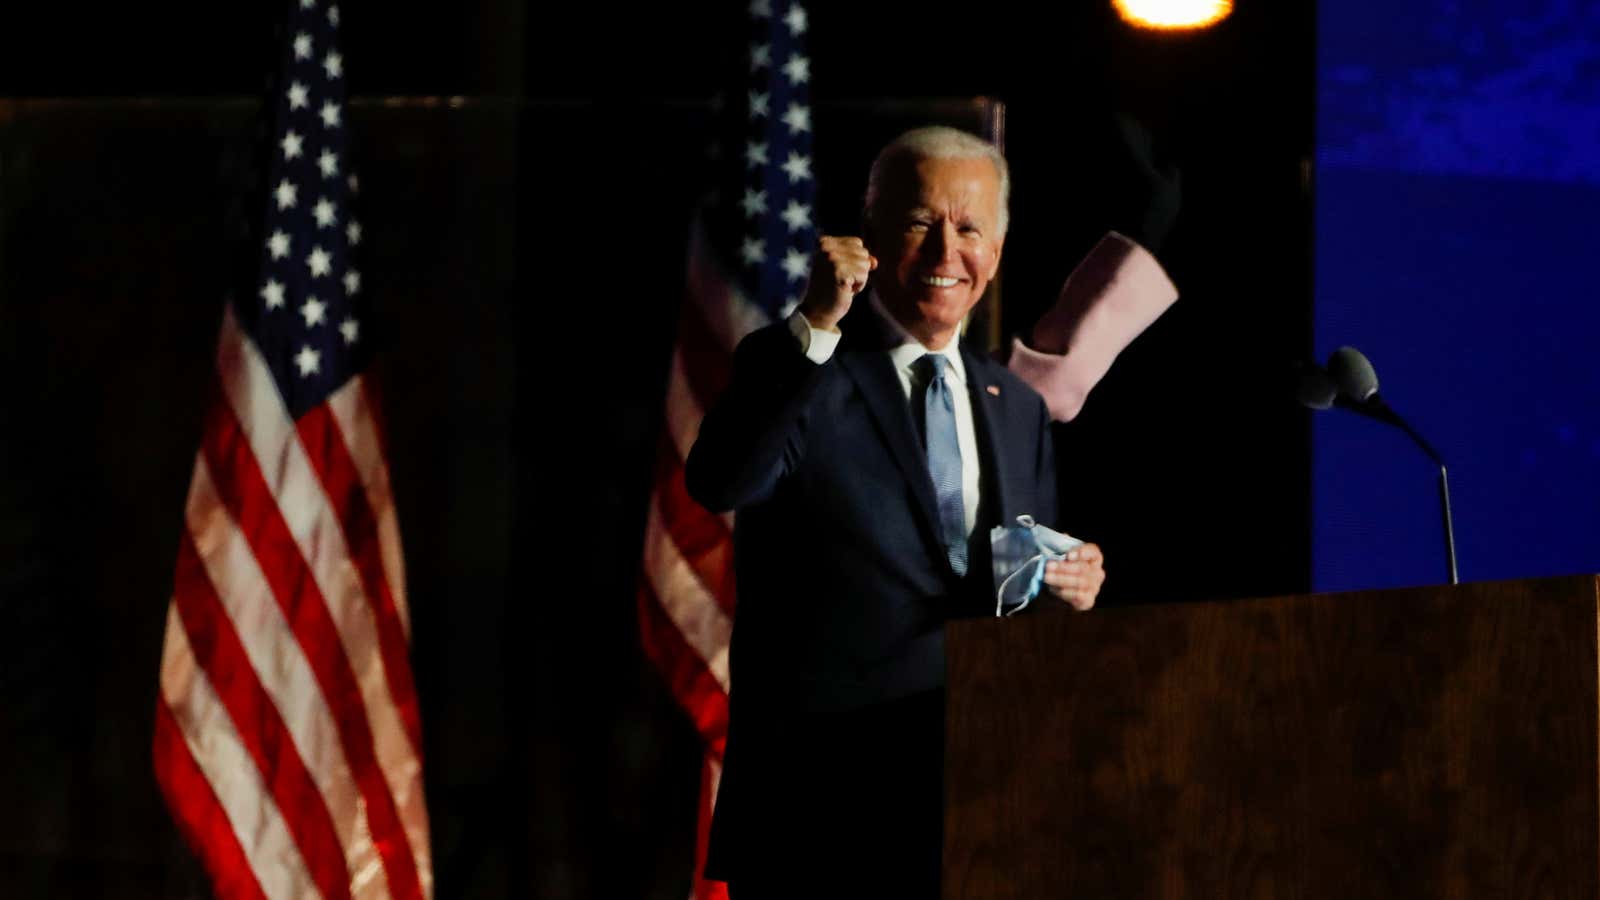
<point>1020,552</point>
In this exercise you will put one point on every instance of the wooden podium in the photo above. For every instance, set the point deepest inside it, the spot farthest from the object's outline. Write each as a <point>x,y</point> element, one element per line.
<point>1430,742</point>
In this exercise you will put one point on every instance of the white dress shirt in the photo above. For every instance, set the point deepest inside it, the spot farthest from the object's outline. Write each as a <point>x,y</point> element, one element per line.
<point>818,346</point>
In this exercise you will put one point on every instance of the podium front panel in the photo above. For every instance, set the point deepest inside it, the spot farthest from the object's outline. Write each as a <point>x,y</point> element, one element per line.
<point>1432,742</point>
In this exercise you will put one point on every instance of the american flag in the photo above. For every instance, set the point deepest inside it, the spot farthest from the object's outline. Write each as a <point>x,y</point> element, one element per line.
<point>749,256</point>
<point>287,737</point>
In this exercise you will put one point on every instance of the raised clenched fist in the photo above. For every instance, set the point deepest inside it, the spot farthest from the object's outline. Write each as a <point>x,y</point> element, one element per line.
<point>838,272</point>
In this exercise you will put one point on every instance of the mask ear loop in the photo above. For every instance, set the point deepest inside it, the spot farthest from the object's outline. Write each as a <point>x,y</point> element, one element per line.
<point>1033,588</point>
<point>1035,581</point>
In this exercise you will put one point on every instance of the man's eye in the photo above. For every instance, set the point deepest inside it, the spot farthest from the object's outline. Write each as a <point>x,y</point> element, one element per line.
<point>917,225</point>
<point>970,230</point>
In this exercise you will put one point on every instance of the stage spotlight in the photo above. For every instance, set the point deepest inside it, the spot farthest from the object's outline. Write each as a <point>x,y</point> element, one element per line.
<point>1173,15</point>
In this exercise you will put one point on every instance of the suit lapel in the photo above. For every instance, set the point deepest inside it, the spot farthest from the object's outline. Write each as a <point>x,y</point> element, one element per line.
<point>988,409</point>
<point>874,374</point>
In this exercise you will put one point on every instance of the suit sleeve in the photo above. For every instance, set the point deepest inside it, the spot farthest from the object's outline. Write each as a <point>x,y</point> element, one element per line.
<point>1112,296</point>
<point>753,435</point>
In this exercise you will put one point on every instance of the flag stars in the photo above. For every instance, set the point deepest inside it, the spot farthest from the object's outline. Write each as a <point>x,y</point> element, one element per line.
<point>328,162</point>
<point>285,194</point>
<point>797,167</point>
<point>798,118</point>
<point>754,203</point>
<point>796,20</point>
<point>760,56</point>
<point>352,282</point>
<point>278,245</point>
<point>755,154</point>
<point>333,64</point>
<point>351,329</point>
<point>795,264</point>
<point>761,9</point>
<point>333,15</point>
<point>758,104</point>
<point>753,251</point>
<point>352,233</point>
<point>299,96</point>
<point>308,361</point>
<point>796,215</point>
<point>272,293</point>
<point>319,262</point>
<point>330,114</point>
<point>797,69</point>
<point>308,4</point>
<point>323,213</point>
<point>314,311</point>
<point>302,46</point>
<point>293,144</point>
<point>355,186</point>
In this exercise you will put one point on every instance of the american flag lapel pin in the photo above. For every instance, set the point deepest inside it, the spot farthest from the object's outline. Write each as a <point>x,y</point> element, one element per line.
<point>993,389</point>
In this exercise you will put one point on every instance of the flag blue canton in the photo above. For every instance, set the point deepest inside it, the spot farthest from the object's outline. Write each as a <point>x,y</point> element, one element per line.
<point>306,313</point>
<point>777,206</point>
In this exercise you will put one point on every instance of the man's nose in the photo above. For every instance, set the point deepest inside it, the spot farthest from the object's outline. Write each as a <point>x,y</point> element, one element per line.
<point>941,242</point>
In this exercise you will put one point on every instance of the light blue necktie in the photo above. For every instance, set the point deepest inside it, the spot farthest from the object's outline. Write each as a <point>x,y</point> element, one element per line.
<point>944,458</point>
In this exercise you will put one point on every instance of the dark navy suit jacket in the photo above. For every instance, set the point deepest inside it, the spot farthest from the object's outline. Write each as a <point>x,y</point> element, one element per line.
<point>843,586</point>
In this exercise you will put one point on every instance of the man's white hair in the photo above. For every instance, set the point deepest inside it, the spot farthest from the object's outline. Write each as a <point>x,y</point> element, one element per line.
<point>937,142</point>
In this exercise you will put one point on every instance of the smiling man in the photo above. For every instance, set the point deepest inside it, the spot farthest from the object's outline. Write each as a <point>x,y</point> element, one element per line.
<point>868,455</point>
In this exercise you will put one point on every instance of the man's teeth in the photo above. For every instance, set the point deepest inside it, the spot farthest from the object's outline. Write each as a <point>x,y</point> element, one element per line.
<point>936,281</point>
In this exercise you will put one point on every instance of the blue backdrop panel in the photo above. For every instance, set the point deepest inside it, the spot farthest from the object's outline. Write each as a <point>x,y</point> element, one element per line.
<point>1458,232</point>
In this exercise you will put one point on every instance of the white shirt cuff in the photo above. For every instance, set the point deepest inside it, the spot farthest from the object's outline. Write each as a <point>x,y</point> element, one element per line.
<point>816,344</point>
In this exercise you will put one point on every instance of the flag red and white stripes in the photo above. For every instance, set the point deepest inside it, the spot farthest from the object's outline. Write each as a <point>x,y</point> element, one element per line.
<point>288,739</point>
<point>686,594</point>
<point>765,222</point>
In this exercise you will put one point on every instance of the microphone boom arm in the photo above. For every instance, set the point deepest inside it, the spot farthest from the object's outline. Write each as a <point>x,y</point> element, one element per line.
<point>1377,409</point>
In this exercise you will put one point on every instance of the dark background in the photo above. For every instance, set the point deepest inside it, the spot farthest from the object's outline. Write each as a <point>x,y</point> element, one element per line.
<point>527,243</point>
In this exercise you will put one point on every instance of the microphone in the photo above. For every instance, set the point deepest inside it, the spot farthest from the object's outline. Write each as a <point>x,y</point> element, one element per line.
<point>1358,390</point>
<point>1354,374</point>
<point>1356,384</point>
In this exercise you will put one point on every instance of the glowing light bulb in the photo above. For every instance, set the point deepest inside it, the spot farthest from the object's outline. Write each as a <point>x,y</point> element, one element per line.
<point>1173,15</point>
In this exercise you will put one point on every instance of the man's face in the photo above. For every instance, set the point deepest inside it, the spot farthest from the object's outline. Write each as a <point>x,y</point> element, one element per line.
<point>937,239</point>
